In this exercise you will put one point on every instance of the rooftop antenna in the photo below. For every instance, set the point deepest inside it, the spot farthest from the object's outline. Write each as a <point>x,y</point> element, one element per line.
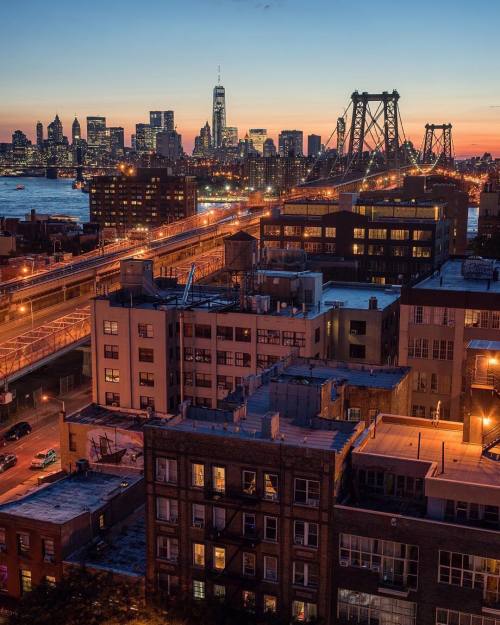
<point>218,74</point>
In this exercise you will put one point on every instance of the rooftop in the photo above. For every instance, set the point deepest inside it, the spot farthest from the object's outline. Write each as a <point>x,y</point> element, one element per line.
<point>493,346</point>
<point>93,414</point>
<point>397,437</point>
<point>69,498</point>
<point>124,550</point>
<point>450,278</point>
<point>356,295</point>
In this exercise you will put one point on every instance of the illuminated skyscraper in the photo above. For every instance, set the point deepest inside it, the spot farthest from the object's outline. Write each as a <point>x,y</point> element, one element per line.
<point>230,137</point>
<point>218,115</point>
<point>39,134</point>
<point>290,143</point>
<point>163,120</point>
<point>76,132</point>
<point>55,131</point>
<point>258,137</point>
<point>96,132</point>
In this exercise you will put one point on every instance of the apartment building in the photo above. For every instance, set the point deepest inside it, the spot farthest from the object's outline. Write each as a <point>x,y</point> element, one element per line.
<point>417,537</point>
<point>143,197</point>
<point>240,506</point>
<point>386,242</point>
<point>152,350</point>
<point>489,211</point>
<point>438,318</point>
<point>38,531</point>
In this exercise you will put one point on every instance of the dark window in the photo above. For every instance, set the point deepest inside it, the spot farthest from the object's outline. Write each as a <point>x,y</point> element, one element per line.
<point>188,330</point>
<point>225,382</point>
<point>111,351</point>
<point>225,333</point>
<point>224,358</point>
<point>147,402</point>
<point>317,335</point>
<point>112,399</point>
<point>357,351</point>
<point>146,378</point>
<point>357,327</point>
<point>146,354</point>
<point>202,355</point>
<point>243,334</point>
<point>145,330</point>
<point>23,543</point>
<point>204,380</point>
<point>242,359</point>
<point>202,331</point>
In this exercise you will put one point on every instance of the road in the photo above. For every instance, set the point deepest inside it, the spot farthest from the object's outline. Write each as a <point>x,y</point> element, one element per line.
<point>20,479</point>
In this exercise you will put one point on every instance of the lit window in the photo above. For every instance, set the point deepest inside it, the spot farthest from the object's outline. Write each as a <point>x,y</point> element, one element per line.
<point>270,603</point>
<point>219,479</point>
<point>198,589</point>
<point>271,486</point>
<point>198,554</point>
<point>249,482</point>
<point>197,475</point>
<point>219,558</point>
<point>25,576</point>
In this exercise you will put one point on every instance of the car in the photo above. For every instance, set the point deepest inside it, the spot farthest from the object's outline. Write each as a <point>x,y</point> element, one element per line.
<point>7,461</point>
<point>43,458</point>
<point>17,431</point>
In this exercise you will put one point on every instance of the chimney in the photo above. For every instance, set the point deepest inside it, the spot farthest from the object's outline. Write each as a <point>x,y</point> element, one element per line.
<point>372,303</point>
<point>270,425</point>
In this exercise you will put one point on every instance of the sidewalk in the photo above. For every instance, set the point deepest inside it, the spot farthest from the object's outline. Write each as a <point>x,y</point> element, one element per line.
<point>37,417</point>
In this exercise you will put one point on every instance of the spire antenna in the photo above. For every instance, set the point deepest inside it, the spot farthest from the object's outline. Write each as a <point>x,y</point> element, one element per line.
<point>218,74</point>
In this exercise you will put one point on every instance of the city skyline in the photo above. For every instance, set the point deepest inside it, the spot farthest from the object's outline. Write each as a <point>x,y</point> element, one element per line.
<point>269,84</point>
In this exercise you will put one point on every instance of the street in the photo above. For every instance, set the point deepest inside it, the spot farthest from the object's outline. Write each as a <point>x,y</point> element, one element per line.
<point>20,479</point>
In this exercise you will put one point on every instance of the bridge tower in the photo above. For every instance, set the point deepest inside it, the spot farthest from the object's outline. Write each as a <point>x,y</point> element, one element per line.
<point>376,123</point>
<point>438,145</point>
<point>340,136</point>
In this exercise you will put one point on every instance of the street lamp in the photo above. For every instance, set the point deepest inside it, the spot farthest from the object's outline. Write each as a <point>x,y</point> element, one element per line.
<point>61,401</point>
<point>25,269</point>
<point>23,308</point>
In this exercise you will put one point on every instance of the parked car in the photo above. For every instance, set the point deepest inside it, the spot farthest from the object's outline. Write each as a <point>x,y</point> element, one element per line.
<point>43,458</point>
<point>17,431</point>
<point>7,461</point>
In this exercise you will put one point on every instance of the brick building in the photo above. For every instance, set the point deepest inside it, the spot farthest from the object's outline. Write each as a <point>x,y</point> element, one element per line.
<point>146,198</point>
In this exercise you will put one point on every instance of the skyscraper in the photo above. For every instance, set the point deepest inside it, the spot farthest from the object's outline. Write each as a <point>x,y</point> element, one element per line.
<point>230,137</point>
<point>203,142</point>
<point>258,137</point>
<point>116,138</point>
<point>39,134</point>
<point>76,132</point>
<point>290,143</point>
<point>313,145</point>
<point>218,115</point>
<point>55,131</point>
<point>163,120</point>
<point>268,149</point>
<point>169,144</point>
<point>145,138</point>
<point>96,132</point>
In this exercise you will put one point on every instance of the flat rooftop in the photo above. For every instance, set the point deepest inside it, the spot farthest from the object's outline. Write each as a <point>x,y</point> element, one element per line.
<point>355,375</point>
<point>124,550</point>
<point>69,498</point>
<point>356,295</point>
<point>397,437</point>
<point>450,278</point>
<point>94,414</point>
<point>493,346</point>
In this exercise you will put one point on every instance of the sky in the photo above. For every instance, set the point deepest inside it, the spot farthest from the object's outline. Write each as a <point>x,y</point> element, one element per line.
<point>284,63</point>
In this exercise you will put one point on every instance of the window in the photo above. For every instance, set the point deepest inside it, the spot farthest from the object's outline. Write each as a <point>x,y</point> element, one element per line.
<point>50,580</point>
<point>377,233</point>
<point>249,524</point>
<point>418,251</point>
<point>271,568</point>
<point>396,563</point>
<point>303,611</point>
<point>243,334</point>
<point>293,231</point>
<point>249,482</point>
<point>270,604</point>
<point>269,337</point>
<point>219,518</point>
<point>417,410</point>
<point>198,589</point>
<point>112,375</point>
<point>202,331</point>
<point>248,599</point>
<point>264,361</point>
<point>198,554</point>
<point>112,399</point>
<point>357,327</point>
<point>418,348</point>
<point>198,515</point>
<point>271,486</point>
<point>110,327</point>
<point>197,474</point>
<point>294,339</point>
<point>146,354</point>
<point>358,233</point>
<point>225,382</point>
<point>477,319</point>
<point>354,414</point>
<point>452,617</point>
<point>219,479</point>
<point>147,402</point>
<point>111,351</point>
<point>25,579</point>
<point>495,320</point>
<point>330,232</point>
<point>23,543</point>
<point>471,571</point>
<point>224,333</point>
<point>166,470</point>
<point>203,380</point>
<point>442,350</point>
<point>399,235</point>
<point>271,528</point>
<point>145,330</point>
<point>376,250</point>
<point>167,548</point>
<point>202,355</point>
<point>146,378</point>
<point>48,550</point>
<point>358,249</point>
<point>317,335</point>
<point>219,558</point>
<point>444,316</point>
<point>219,591</point>
<point>242,359</point>
<point>248,564</point>
<point>434,383</point>
<point>357,351</point>
<point>167,583</point>
<point>305,533</point>
<point>272,230</point>
<point>102,522</point>
<point>399,250</point>
<point>305,574</point>
<point>224,358</point>
<point>167,509</point>
<point>422,235</point>
<point>306,492</point>
<point>361,607</point>
<point>419,381</point>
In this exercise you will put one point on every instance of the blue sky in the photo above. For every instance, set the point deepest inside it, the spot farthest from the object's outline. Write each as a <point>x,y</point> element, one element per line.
<point>285,63</point>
